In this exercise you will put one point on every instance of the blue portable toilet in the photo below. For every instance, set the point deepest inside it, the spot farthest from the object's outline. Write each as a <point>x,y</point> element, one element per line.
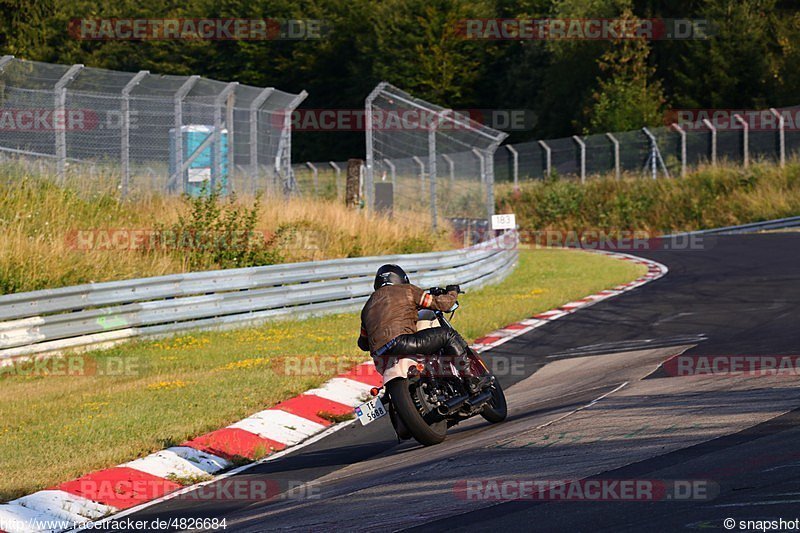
<point>199,175</point>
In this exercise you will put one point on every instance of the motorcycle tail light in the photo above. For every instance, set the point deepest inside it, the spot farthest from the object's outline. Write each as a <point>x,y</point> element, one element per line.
<point>420,367</point>
<point>374,391</point>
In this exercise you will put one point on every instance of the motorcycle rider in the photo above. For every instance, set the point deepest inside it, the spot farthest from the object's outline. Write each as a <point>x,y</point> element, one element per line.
<point>389,320</point>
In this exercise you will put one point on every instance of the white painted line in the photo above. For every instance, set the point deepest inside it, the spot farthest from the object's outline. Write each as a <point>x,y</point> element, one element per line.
<point>581,408</point>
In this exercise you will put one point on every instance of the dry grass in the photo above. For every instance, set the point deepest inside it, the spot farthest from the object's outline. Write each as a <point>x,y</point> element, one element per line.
<point>38,218</point>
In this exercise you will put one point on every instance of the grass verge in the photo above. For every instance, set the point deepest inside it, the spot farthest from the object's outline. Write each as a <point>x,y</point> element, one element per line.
<point>55,428</point>
<point>708,197</point>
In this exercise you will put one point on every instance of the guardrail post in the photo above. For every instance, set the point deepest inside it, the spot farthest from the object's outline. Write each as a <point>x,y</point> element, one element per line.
<point>547,158</point>
<point>225,97</point>
<point>515,165</point>
<point>582,146</point>
<point>683,147</point>
<point>178,103</point>
<point>125,133</point>
<point>745,139</point>
<point>315,175</point>
<point>617,169</point>
<point>781,136</point>
<point>255,106</point>
<point>60,120</point>
<point>713,131</point>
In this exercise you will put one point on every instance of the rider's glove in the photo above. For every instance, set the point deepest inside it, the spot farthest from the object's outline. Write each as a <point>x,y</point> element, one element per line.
<point>455,288</point>
<point>437,291</point>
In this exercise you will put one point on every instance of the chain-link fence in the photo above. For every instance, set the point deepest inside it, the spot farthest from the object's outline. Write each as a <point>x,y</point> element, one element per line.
<point>132,132</point>
<point>727,136</point>
<point>426,161</point>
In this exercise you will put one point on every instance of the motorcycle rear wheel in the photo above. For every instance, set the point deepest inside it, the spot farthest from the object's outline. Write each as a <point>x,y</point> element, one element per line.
<point>414,421</point>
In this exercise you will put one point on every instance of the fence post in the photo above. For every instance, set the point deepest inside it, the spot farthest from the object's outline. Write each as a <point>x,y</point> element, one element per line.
<point>745,139</point>
<point>615,142</point>
<point>432,171</point>
<point>125,133</point>
<point>583,156</point>
<point>683,147</point>
<point>713,131</point>
<point>451,166</point>
<point>418,161</point>
<point>547,158</point>
<point>515,165</point>
<point>368,132</point>
<point>482,164</point>
<point>490,177</point>
<point>60,120</point>
<point>338,170</point>
<point>781,136</point>
<point>255,106</point>
<point>393,168</point>
<point>283,160</point>
<point>178,102</point>
<point>224,97</point>
<point>315,174</point>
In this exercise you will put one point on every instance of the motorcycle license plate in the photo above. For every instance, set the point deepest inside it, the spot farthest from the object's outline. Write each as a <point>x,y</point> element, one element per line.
<point>370,411</point>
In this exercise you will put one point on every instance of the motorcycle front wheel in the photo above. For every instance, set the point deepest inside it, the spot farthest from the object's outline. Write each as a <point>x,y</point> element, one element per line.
<point>412,408</point>
<point>496,409</point>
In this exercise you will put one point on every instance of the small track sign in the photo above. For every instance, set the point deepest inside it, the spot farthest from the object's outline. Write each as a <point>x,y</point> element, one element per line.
<point>508,221</point>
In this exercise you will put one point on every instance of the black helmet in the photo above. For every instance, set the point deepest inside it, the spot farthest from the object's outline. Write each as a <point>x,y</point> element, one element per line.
<point>390,275</point>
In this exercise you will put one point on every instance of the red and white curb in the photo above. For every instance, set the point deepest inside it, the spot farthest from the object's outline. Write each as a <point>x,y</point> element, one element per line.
<point>269,432</point>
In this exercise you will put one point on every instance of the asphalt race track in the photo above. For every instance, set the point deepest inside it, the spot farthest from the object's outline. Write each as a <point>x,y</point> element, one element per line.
<point>733,435</point>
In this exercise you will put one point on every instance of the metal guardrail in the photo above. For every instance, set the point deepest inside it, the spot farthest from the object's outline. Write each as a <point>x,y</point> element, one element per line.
<point>81,316</point>
<point>765,225</point>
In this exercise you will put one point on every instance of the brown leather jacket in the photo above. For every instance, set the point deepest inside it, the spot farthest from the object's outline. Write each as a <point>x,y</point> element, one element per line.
<point>392,311</point>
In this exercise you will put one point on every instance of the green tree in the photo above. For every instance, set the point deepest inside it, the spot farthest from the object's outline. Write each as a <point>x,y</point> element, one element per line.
<point>627,97</point>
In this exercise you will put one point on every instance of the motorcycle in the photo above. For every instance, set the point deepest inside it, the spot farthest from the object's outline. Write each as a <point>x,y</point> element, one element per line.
<point>424,395</point>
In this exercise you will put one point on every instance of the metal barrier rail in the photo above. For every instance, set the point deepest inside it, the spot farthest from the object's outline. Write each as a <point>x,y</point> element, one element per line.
<point>53,320</point>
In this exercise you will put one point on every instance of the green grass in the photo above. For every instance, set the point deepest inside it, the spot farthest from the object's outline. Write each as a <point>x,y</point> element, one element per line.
<point>55,428</point>
<point>706,198</point>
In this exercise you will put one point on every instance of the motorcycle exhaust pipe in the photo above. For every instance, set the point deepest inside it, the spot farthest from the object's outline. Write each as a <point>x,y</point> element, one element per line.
<point>478,399</point>
<point>454,404</point>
